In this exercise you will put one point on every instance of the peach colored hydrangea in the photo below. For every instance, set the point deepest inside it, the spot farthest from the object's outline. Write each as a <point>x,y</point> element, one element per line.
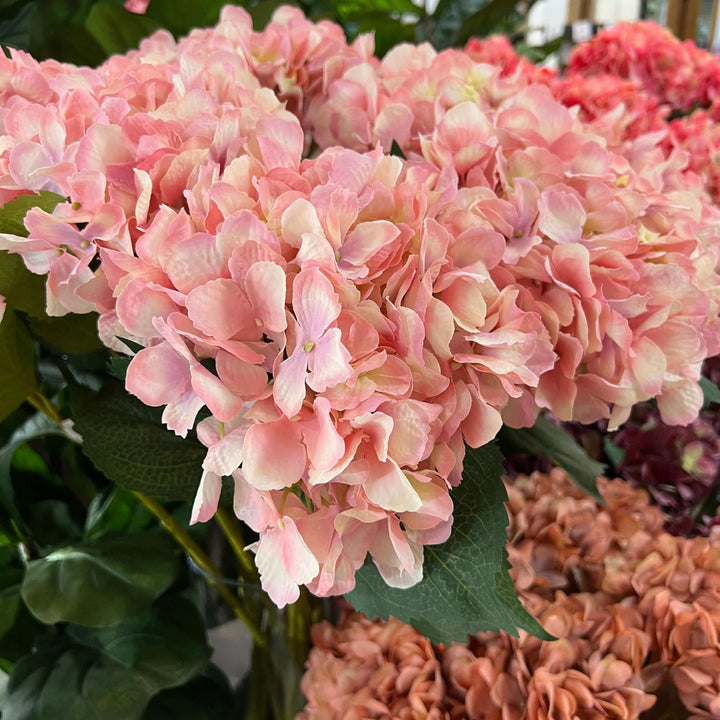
<point>632,609</point>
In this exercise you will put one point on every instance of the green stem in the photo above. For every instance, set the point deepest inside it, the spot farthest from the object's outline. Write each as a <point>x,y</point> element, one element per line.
<point>232,530</point>
<point>46,406</point>
<point>212,574</point>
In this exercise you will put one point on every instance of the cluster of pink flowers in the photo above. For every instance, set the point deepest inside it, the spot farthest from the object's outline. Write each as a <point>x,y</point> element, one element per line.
<point>351,320</point>
<point>633,609</point>
<point>678,73</point>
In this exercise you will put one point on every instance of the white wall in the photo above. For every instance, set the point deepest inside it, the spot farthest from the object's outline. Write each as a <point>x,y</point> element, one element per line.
<point>547,20</point>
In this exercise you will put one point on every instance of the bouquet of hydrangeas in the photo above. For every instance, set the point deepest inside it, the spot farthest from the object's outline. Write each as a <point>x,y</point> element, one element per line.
<point>345,277</point>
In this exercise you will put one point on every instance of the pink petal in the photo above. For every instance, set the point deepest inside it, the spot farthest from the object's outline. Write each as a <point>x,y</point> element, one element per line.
<point>207,498</point>
<point>157,375</point>
<point>265,286</point>
<point>219,309</point>
<point>314,302</point>
<point>388,487</point>
<point>562,216</point>
<point>289,385</point>
<point>284,562</point>
<point>325,446</point>
<point>328,362</point>
<point>274,455</point>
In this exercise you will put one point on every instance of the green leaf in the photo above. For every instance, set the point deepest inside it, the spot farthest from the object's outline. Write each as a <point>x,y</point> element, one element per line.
<point>361,9</point>
<point>37,426</point>
<point>120,511</point>
<point>465,576</point>
<point>12,214</point>
<point>74,334</point>
<point>118,365</point>
<point>17,364</point>
<point>24,290</point>
<point>546,439</point>
<point>100,583</point>
<point>200,699</point>
<point>613,452</point>
<point>448,18</point>
<point>15,30</point>
<point>262,12</point>
<point>182,17</point>
<point>117,30</point>
<point>489,19</point>
<point>538,53</point>
<point>396,150</point>
<point>165,644</point>
<point>126,441</point>
<point>711,392</point>
<point>112,673</point>
<point>10,579</point>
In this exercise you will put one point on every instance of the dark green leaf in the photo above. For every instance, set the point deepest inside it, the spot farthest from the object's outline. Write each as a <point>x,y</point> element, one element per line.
<point>24,290</point>
<point>119,511</point>
<point>262,12</point>
<point>182,17</point>
<point>200,699</point>
<point>552,441</point>
<point>448,18</point>
<point>17,364</point>
<point>61,680</point>
<point>613,452</point>
<point>465,576</point>
<point>397,150</point>
<point>37,426</point>
<point>118,366</point>
<point>126,441</point>
<point>711,392</point>
<point>117,30</point>
<point>15,31</point>
<point>538,53</point>
<point>100,583</point>
<point>489,19</point>
<point>75,334</point>
<point>10,579</point>
<point>165,644</point>
<point>361,9</point>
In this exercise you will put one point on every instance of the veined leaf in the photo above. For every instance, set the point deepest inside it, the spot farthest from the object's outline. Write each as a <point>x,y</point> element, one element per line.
<point>127,442</point>
<point>17,363</point>
<point>100,583</point>
<point>117,30</point>
<point>548,440</point>
<point>466,576</point>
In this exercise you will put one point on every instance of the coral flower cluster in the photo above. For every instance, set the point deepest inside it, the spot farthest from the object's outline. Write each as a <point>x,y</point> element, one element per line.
<point>345,318</point>
<point>634,610</point>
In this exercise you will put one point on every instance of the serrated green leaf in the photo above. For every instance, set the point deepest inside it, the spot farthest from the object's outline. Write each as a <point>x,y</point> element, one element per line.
<point>117,30</point>
<point>711,392</point>
<point>127,442</point>
<point>465,576</point>
<point>74,334</point>
<point>17,363</point>
<point>101,582</point>
<point>546,439</point>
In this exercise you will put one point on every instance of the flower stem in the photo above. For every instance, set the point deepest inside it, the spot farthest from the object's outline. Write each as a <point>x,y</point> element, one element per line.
<point>46,406</point>
<point>233,532</point>
<point>212,574</point>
